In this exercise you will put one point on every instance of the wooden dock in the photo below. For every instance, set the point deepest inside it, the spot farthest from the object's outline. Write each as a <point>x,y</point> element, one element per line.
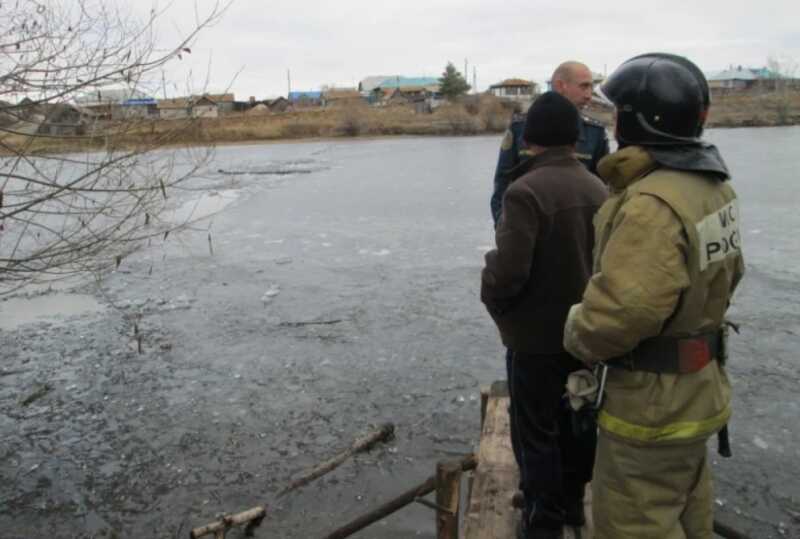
<point>492,488</point>
<point>490,512</point>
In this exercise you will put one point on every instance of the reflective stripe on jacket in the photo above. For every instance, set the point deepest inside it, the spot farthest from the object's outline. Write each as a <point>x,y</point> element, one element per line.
<point>667,260</point>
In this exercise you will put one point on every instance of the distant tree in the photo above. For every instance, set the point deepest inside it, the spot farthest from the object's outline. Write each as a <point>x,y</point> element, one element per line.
<point>452,83</point>
<point>782,72</point>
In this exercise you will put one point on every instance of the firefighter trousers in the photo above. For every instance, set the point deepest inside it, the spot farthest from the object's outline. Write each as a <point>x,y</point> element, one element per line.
<point>658,492</point>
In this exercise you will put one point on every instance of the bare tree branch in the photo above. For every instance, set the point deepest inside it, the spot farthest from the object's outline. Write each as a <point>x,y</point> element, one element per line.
<point>63,213</point>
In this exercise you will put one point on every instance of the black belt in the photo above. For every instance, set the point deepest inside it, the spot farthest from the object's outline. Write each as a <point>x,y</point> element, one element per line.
<point>673,355</point>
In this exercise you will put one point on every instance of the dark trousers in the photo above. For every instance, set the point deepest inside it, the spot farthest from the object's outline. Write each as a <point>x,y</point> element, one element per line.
<point>555,462</point>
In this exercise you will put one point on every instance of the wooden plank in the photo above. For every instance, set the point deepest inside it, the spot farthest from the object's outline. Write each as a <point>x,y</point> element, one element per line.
<point>490,513</point>
<point>495,447</point>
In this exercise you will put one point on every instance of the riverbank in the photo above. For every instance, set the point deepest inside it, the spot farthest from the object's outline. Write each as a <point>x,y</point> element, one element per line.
<point>474,116</point>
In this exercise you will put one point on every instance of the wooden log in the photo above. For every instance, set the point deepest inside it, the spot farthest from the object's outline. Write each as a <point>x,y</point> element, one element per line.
<point>253,517</point>
<point>40,391</point>
<point>364,443</point>
<point>448,498</point>
<point>219,527</point>
<point>426,487</point>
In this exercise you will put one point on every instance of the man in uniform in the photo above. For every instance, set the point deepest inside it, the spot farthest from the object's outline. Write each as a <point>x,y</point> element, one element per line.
<point>537,272</point>
<point>667,261</point>
<point>573,80</point>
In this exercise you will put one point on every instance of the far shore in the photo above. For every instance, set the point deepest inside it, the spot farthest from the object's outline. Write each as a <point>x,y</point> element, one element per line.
<point>474,116</point>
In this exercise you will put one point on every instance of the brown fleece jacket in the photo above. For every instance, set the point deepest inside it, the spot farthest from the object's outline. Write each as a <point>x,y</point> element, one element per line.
<point>543,258</point>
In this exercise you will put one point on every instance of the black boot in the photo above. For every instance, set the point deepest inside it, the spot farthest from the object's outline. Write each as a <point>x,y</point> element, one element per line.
<point>574,514</point>
<point>524,531</point>
<point>540,523</point>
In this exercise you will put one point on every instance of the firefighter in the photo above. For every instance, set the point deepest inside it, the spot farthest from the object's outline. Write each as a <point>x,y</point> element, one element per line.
<point>667,261</point>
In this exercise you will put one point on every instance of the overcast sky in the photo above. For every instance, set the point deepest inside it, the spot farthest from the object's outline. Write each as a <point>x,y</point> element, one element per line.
<point>341,42</point>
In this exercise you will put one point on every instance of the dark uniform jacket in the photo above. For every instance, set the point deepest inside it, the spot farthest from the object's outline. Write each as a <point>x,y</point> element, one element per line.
<point>543,258</point>
<point>592,146</point>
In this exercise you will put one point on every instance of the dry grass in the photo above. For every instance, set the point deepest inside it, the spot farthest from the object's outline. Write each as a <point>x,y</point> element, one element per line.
<point>743,110</point>
<point>738,110</point>
<point>482,115</point>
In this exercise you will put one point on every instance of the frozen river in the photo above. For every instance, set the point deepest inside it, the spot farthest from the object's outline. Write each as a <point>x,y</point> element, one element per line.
<point>342,292</point>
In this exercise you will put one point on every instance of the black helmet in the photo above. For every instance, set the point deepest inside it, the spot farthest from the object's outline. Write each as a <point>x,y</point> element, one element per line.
<point>661,99</point>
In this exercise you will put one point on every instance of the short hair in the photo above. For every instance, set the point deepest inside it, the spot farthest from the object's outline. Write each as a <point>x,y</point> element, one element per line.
<point>566,70</point>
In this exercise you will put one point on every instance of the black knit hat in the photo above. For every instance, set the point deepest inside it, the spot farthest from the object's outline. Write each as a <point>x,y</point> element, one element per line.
<point>552,121</point>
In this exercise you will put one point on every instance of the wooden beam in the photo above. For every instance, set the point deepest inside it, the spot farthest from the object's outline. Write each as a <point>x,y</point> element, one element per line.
<point>448,497</point>
<point>222,525</point>
<point>253,517</point>
<point>426,487</point>
<point>364,443</point>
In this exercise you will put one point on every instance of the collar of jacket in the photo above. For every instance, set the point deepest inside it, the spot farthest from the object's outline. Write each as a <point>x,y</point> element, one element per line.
<point>620,169</point>
<point>582,129</point>
<point>547,157</point>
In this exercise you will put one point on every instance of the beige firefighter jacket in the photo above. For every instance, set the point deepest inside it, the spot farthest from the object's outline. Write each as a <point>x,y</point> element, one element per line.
<point>667,260</point>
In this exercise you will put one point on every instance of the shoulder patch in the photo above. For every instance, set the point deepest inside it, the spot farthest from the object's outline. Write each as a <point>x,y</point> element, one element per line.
<point>508,141</point>
<point>719,235</point>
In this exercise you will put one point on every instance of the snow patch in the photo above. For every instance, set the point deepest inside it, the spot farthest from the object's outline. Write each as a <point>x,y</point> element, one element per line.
<point>271,292</point>
<point>760,443</point>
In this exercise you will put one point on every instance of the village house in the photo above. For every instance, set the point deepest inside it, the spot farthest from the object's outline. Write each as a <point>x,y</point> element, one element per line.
<point>9,114</point>
<point>146,107</point>
<point>51,119</point>
<point>203,106</point>
<point>515,90</point>
<point>255,107</point>
<point>24,110</point>
<point>116,103</point>
<point>733,79</point>
<point>61,119</point>
<point>176,108</point>
<point>367,85</point>
<point>305,99</point>
<point>406,84</point>
<point>421,92</point>
<point>743,79</point>
<point>225,103</point>
<point>420,99</point>
<point>337,97</point>
<point>277,105</point>
<point>245,106</point>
